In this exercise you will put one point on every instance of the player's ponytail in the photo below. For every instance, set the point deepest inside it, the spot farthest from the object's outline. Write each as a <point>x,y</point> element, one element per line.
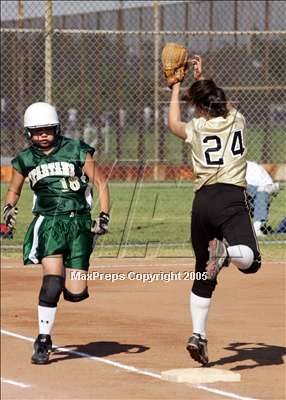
<point>218,104</point>
<point>207,96</point>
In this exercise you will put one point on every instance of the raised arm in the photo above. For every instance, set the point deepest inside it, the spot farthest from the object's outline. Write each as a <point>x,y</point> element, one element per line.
<point>176,125</point>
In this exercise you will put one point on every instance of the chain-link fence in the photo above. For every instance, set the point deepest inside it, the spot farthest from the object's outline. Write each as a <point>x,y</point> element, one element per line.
<point>99,63</point>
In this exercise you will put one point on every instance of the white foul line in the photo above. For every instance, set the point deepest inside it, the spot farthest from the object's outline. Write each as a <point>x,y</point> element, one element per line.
<point>85,355</point>
<point>129,368</point>
<point>11,382</point>
<point>223,393</point>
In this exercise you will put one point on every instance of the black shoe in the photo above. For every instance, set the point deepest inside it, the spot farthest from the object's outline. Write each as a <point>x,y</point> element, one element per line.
<point>42,348</point>
<point>198,348</point>
<point>218,258</point>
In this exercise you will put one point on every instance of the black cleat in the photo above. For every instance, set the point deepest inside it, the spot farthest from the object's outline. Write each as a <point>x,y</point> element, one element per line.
<point>218,258</point>
<point>42,348</point>
<point>198,348</point>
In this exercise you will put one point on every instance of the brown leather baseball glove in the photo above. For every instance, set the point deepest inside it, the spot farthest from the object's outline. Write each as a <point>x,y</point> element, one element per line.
<point>175,63</point>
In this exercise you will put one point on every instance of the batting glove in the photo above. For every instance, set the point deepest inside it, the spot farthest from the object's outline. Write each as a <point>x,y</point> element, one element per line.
<point>100,225</point>
<point>5,232</point>
<point>10,215</point>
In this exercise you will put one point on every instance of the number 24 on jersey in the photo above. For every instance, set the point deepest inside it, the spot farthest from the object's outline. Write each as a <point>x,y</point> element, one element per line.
<point>213,145</point>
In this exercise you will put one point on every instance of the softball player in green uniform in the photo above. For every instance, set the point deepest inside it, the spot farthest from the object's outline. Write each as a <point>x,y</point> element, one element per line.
<point>221,227</point>
<point>61,235</point>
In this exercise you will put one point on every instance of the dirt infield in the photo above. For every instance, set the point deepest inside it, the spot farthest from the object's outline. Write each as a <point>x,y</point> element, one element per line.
<point>116,343</point>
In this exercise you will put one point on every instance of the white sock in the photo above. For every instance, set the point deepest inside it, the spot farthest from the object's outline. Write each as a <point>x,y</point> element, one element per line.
<point>46,317</point>
<point>199,311</point>
<point>241,256</point>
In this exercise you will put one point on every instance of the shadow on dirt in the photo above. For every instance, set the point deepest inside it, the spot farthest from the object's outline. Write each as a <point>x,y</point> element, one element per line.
<point>95,349</point>
<point>260,353</point>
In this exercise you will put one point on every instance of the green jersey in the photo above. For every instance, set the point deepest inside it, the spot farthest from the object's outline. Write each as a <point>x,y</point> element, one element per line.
<point>57,179</point>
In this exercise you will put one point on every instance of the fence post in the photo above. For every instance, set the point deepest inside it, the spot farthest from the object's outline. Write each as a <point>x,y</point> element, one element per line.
<point>185,149</point>
<point>48,50</point>
<point>156,85</point>
<point>141,129</point>
<point>21,55</point>
<point>266,155</point>
<point>119,106</point>
<point>211,24</point>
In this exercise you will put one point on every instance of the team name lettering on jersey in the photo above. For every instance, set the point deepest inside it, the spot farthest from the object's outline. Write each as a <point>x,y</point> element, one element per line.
<point>59,168</point>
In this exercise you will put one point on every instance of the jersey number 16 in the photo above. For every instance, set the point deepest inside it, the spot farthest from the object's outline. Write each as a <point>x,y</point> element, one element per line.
<point>71,183</point>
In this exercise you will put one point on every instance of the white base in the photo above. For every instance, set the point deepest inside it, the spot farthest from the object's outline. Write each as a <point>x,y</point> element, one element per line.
<point>200,375</point>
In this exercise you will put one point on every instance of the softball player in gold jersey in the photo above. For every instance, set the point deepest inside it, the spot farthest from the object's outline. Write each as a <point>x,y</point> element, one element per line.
<point>221,227</point>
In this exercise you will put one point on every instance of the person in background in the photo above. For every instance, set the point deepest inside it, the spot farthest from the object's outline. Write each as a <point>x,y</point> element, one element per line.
<point>260,190</point>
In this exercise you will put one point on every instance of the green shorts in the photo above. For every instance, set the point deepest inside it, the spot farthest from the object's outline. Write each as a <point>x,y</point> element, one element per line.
<point>69,235</point>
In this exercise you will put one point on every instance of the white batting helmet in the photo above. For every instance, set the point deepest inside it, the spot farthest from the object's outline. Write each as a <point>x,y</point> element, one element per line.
<point>39,115</point>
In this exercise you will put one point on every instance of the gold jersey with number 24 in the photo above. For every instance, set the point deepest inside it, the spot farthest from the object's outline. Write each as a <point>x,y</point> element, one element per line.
<point>218,149</point>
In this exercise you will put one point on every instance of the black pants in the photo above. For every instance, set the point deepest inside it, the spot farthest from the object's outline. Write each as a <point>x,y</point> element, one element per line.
<point>219,211</point>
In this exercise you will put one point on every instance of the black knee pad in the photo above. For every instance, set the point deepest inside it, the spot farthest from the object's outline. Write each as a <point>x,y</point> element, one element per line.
<point>204,288</point>
<point>51,290</point>
<point>255,266</point>
<point>75,297</point>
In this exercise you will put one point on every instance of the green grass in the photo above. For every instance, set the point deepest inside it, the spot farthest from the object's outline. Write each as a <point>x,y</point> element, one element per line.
<point>172,146</point>
<point>147,220</point>
<point>171,149</point>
